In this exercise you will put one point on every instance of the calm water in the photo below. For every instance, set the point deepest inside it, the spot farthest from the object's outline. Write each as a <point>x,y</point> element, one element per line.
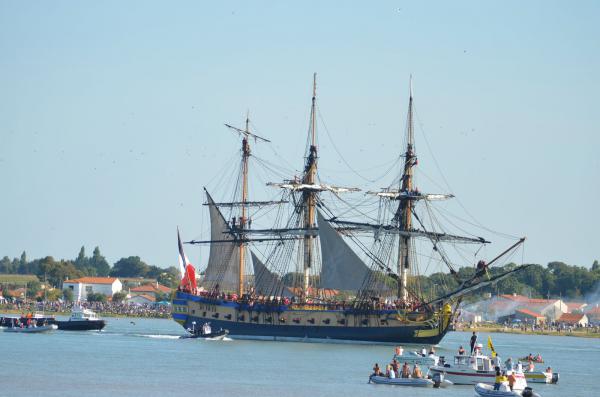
<point>144,358</point>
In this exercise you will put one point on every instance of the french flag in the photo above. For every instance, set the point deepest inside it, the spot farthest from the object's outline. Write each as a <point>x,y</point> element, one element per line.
<point>188,273</point>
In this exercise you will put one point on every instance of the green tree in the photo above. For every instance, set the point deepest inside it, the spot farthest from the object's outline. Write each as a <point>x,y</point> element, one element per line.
<point>6,266</point>
<point>33,287</point>
<point>68,294</point>
<point>119,296</point>
<point>54,294</point>
<point>57,272</point>
<point>98,262</point>
<point>96,297</point>
<point>170,277</point>
<point>132,266</point>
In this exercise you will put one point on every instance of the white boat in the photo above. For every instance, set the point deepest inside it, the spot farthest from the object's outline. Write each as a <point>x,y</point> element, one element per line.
<point>485,390</point>
<point>542,377</point>
<point>32,329</point>
<point>414,357</point>
<point>414,382</point>
<point>471,370</point>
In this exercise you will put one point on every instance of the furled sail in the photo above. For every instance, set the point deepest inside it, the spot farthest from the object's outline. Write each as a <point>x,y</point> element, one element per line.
<point>224,257</point>
<point>267,282</point>
<point>341,269</point>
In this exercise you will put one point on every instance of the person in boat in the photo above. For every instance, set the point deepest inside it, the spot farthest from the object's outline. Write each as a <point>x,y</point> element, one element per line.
<point>530,357</point>
<point>531,367</point>
<point>473,341</point>
<point>405,370</point>
<point>549,370</point>
<point>499,379</point>
<point>395,366</point>
<point>417,374</point>
<point>538,358</point>
<point>461,351</point>
<point>432,351</point>
<point>424,352</point>
<point>508,364</point>
<point>511,380</point>
<point>377,370</point>
<point>389,372</point>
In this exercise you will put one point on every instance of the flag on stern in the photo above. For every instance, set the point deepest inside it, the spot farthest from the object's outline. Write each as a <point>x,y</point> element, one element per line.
<point>188,273</point>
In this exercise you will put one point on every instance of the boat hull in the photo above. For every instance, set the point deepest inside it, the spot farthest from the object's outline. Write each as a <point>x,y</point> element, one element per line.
<point>414,382</point>
<point>463,377</point>
<point>85,325</point>
<point>32,330</point>
<point>283,323</point>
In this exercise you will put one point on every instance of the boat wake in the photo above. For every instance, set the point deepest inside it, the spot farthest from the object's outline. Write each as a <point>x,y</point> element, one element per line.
<point>156,336</point>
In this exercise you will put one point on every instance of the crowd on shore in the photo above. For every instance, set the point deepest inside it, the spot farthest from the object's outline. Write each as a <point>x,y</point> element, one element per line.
<point>102,308</point>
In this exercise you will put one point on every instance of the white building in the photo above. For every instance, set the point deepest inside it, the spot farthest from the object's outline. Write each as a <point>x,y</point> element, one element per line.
<point>81,287</point>
<point>142,299</point>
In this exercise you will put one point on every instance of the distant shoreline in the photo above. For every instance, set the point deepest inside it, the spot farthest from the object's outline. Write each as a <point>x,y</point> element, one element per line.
<point>585,333</point>
<point>100,314</point>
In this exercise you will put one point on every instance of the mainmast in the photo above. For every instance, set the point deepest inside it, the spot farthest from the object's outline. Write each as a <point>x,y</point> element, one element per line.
<point>309,196</point>
<point>404,213</point>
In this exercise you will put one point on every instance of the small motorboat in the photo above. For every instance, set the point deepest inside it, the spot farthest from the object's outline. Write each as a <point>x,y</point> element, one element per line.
<point>411,358</point>
<point>32,329</point>
<point>485,390</point>
<point>205,332</point>
<point>436,382</point>
<point>542,377</point>
<point>81,320</point>
<point>536,359</point>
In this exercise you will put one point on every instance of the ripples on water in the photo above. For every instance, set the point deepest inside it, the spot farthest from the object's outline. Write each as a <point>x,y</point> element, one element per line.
<point>147,358</point>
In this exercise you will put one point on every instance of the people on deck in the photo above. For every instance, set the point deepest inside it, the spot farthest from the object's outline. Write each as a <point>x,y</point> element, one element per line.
<point>473,342</point>
<point>531,367</point>
<point>509,364</point>
<point>461,351</point>
<point>432,351</point>
<point>424,352</point>
<point>549,370</point>
<point>538,358</point>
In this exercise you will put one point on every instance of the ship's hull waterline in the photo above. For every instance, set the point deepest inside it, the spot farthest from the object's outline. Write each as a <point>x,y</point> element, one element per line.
<point>305,325</point>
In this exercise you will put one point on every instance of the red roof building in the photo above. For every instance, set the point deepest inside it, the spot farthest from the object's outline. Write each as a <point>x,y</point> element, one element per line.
<point>573,319</point>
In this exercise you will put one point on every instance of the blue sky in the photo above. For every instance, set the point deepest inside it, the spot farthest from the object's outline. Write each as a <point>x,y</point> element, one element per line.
<point>111,112</point>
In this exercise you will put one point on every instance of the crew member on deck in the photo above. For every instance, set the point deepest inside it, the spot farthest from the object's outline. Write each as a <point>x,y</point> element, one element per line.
<point>473,342</point>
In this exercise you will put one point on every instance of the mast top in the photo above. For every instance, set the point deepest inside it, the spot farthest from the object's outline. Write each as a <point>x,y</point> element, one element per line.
<point>246,132</point>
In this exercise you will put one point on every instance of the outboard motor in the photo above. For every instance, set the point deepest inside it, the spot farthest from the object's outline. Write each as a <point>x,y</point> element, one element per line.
<point>437,379</point>
<point>554,378</point>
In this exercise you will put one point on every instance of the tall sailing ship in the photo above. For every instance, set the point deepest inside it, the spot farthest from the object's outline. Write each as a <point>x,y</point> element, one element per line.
<point>324,276</point>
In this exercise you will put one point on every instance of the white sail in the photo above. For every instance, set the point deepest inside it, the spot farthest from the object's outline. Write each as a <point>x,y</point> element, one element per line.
<point>267,282</point>
<point>224,257</point>
<point>341,269</point>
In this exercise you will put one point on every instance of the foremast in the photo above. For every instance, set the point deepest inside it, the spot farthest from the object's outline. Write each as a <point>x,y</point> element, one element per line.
<point>241,228</point>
